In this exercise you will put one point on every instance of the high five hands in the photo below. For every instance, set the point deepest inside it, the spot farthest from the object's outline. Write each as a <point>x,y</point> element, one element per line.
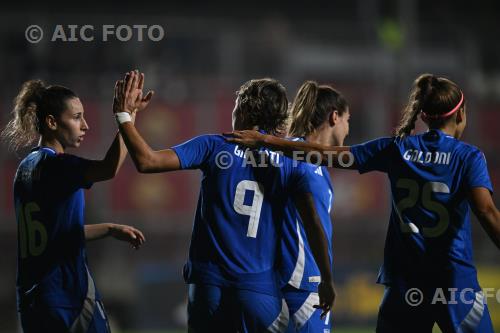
<point>129,96</point>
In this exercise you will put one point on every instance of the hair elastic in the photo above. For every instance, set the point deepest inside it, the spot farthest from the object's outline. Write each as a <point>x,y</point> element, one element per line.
<point>447,114</point>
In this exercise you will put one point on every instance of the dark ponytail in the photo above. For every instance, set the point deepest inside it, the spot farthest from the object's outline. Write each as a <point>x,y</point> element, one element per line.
<point>430,94</point>
<point>312,106</point>
<point>34,102</point>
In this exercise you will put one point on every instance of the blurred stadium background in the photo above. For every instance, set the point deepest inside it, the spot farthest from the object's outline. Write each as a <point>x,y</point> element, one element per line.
<point>371,50</point>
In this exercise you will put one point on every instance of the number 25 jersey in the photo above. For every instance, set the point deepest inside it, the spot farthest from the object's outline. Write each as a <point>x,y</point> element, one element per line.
<point>431,174</point>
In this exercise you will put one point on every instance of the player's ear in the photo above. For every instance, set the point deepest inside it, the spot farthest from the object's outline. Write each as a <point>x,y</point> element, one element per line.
<point>460,115</point>
<point>50,122</point>
<point>333,119</point>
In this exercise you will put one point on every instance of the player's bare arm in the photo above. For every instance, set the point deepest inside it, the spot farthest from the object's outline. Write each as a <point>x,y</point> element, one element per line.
<point>121,232</point>
<point>319,247</point>
<point>108,167</point>
<point>484,208</point>
<point>293,149</point>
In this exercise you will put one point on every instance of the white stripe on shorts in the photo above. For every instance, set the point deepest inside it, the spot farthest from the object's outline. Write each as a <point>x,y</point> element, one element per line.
<point>473,318</point>
<point>306,310</point>
<point>280,324</point>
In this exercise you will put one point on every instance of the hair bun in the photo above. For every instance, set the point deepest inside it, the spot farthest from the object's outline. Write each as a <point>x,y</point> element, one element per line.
<point>35,88</point>
<point>426,84</point>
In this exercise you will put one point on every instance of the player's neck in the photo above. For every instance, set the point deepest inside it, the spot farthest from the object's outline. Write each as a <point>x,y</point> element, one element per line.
<point>51,143</point>
<point>450,130</point>
<point>323,138</point>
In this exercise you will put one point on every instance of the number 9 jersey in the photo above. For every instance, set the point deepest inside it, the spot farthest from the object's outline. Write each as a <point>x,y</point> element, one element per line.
<point>429,235</point>
<point>240,212</point>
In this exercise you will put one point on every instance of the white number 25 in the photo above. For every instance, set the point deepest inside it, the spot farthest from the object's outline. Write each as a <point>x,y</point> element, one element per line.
<point>414,192</point>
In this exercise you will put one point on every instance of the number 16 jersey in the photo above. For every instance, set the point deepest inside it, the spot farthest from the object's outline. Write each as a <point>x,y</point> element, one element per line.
<point>49,202</point>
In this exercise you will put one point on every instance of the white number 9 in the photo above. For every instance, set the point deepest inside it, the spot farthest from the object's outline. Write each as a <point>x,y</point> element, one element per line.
<point>253,210</point>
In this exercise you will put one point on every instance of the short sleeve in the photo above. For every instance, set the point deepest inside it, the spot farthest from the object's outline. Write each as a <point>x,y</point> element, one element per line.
<point>194,154</point>
<point>476,171</point>
<point>302,178</point>
<point>373,155</point>
<point>68,171</point>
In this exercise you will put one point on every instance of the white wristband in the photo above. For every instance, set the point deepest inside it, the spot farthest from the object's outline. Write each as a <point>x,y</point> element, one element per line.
<point>122,117</point>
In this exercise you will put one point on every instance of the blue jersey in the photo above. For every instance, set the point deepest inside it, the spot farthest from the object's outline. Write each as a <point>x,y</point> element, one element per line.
<point>239,214</point>
<point>298,267</point>
<point>49,204</point>
<point>429,235</point>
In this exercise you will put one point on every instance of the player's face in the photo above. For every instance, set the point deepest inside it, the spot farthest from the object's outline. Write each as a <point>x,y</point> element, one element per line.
<point>71,126</point>
<point>341,128</point>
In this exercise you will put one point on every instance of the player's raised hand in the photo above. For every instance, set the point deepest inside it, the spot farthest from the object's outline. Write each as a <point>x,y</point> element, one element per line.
<point>128,93</point>
<point>125,96</point>
<point>326,293</point>
<point>118,99</point>
<point>248,138</point>
<point>128,234</point>
<point>143,102</point>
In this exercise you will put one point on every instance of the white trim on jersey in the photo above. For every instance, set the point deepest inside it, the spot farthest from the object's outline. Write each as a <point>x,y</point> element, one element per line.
<point>298,271</point>
<point>315,279</point>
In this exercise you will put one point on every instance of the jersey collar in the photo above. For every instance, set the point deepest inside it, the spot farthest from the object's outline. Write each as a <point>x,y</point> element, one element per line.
<point>441,133</point>
<point>45,149</point>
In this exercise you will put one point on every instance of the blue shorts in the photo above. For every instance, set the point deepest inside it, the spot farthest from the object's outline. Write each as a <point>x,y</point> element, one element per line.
<point>91,318</point>
<point>304,317</point>
<point>417,309</point>
<point>219,309</point>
